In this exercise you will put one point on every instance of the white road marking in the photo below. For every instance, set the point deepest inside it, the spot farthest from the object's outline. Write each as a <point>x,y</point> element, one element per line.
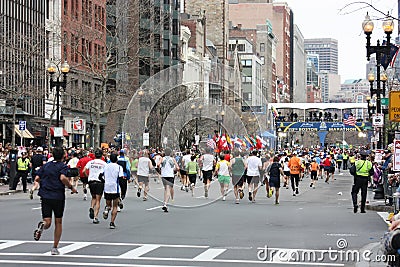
<point>71,247</point>
<point>384,216</point>
<point>8,244</point>
<point>39,208</point>
<point>336,234</point>
<point>68,263</point>
<point>154,208</point>
<point>209,254</point>
<point>200,197</point>
<point>137,252</point>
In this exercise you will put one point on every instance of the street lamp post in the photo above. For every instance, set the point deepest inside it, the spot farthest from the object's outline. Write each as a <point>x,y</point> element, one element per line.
<point>51,69</point>
<point>379,49</point>
<point>219,118</point>
<point>197,116</point>
<point>145,104</point>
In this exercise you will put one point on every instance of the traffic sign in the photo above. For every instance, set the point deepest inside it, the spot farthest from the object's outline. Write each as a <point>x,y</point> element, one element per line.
<point>385,101</point>
<point>396,155</point>
<point>377,120</point>
<point>22,125</point>
<point>394,106</point>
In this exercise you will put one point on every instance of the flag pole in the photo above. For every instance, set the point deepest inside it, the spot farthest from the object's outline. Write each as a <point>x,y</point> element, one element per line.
<point>343,130</point>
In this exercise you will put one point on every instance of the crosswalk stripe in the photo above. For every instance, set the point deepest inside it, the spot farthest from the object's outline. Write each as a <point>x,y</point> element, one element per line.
<point>137,252</point>
<point>70,248</point>
<point>8,244</point>
<point>209,254</point>
<point>68,263</point>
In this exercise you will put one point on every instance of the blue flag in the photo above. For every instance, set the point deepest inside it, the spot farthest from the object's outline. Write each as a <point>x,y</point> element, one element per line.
<point>386,60</point>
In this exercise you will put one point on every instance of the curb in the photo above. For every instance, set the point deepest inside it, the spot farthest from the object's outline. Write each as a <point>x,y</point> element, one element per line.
<point>9,192</point>
<point>379,208</point>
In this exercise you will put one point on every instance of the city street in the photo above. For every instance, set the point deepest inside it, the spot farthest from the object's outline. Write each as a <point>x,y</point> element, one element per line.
<point>196,231</point>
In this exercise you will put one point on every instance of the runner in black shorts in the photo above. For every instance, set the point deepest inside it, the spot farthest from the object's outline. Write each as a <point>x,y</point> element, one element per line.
<point>207,176</point>
<point>53,179</point>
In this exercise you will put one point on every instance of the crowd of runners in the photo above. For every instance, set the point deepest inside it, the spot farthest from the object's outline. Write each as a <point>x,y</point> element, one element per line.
<point>105,173</point>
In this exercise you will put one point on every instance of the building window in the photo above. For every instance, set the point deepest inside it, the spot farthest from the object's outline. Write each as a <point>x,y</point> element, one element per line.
<point>246,62</point>
<point>175,27</point>
<point>65,7</point>
<point>247,96</point>
<point>175,51</point>
<point>262,47</point>
<point>262,60</point>
<point>166,47</point>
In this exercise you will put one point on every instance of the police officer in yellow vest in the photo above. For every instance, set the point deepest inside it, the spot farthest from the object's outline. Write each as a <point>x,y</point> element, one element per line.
<point>23,165</point>
<point>363,167</point>
<point>345,159</point>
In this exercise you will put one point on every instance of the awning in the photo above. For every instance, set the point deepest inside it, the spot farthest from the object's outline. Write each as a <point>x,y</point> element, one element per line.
<point>26,134</point>
<point>65,133</point>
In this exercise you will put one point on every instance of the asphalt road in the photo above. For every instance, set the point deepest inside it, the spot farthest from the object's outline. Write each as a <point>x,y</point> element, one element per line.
<point>198,231</point>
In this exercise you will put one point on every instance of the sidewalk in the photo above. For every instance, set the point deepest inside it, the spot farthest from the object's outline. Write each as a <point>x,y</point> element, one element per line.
<point>377,204</point>
<point>4,190</point>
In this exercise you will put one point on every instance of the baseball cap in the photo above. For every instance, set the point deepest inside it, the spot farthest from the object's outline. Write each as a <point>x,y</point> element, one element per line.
<point>122,151</point>
<point>39,149</point>
<point>387,151</point>
<point>294,152</point>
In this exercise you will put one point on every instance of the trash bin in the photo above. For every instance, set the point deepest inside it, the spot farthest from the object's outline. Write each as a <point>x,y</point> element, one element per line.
<point>379,192</point>
<point>13,167</point>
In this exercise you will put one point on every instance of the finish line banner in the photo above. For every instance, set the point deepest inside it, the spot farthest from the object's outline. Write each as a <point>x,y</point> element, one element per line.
<point>320,126</point>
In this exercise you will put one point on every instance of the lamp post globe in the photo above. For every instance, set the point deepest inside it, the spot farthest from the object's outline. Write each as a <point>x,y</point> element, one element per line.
<point>367,25</point>
<point>388,25</point>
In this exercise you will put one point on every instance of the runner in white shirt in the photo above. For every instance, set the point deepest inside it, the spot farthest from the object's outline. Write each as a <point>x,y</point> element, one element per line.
<point>185,160</point>
<point>93,169</point>
<point>168,166</point>
<point>254,165</point>
<point>286,170</point>
<point>207,162</point>
<point>112,173</point>
<point>143,172</point>
<point>72,164</point>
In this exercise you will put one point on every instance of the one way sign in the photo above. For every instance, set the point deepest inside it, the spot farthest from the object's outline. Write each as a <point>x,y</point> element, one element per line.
<point>22,125</point>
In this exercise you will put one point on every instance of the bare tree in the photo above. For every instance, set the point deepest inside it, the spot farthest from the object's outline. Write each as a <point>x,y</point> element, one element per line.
<point>23,79</point>
<point>109,53</point>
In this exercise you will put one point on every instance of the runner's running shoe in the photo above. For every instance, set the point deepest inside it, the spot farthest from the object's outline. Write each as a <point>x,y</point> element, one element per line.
<point>38,232</point>
<point>30,193</point>
<point>112,225</point>
<point>54,251</point>
<point>91,213</point>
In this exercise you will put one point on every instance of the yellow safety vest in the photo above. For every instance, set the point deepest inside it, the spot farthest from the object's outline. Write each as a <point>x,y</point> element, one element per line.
<point>352,159</point>
<point>345,156</point>
<point>23,164</point>
<point>363,167</point>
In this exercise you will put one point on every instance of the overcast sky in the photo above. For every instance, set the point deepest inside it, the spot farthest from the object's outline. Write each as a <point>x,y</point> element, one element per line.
<point>331,19</point>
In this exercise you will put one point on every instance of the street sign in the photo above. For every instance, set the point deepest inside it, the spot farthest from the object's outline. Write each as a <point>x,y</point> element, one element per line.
<point>146,139</point>
<point>396,156</point>
<point>385,101</point>
<point>377,120</point>
<point>394,106</point>
<point>196,139</point>
<point>78,125</point>
<point>58,132</point>
<point>22,125</point>
<point>379,153</point>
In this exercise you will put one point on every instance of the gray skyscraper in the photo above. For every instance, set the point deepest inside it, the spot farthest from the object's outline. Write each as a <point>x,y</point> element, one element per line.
<point>327,49</point>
